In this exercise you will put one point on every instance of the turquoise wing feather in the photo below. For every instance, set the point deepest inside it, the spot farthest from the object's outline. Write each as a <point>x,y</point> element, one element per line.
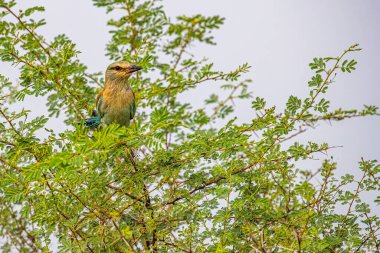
<point>99,106</point>
<point>133,110</point>
<point>95,121</point>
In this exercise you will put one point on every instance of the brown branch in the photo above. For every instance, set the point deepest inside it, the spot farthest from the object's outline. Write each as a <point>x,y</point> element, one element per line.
<point>64,215</point>
<point>139,199</point>
<point>216,180</point>
<point>27,28</point>
<point>56,81</point>
<point>93,79</point>
<point>6,163</point>
<point>10,123</point>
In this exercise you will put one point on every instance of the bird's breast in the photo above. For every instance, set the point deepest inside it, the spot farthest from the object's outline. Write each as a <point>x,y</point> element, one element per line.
<point>117,105</point>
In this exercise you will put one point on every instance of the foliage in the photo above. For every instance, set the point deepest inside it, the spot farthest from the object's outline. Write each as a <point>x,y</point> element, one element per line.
<point>175,180</point>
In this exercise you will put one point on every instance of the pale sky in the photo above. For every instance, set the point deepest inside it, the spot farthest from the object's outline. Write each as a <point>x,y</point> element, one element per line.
<point>278,38</point>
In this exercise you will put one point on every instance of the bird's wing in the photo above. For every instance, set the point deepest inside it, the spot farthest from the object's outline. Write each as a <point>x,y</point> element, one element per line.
<point>99,101</point>
<point>133,108</point>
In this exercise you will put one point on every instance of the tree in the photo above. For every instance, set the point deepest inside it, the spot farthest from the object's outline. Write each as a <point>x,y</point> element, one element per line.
<point>173,181</point>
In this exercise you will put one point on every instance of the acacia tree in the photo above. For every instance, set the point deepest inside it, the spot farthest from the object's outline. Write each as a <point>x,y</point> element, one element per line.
<point>174,180</point>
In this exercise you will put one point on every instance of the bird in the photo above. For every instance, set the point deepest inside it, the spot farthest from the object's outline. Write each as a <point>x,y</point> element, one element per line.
<point>116,102</point>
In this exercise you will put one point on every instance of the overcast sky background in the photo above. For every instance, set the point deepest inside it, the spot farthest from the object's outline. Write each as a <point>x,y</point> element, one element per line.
<point>278,38</point>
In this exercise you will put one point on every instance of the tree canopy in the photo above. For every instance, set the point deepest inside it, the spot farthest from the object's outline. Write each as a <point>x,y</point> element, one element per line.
<point>181,178</point>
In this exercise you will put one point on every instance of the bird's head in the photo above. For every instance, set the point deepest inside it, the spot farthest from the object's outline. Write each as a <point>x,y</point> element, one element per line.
<point>120,71</point>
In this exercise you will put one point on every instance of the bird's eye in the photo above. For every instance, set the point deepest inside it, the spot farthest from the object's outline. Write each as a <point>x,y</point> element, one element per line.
<point>117,68</point>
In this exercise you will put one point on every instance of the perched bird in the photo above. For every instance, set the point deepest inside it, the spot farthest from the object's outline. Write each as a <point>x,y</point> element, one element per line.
<point>116,103</point>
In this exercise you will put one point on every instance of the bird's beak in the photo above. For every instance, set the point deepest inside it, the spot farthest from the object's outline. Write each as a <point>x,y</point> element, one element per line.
<point>134,68</point>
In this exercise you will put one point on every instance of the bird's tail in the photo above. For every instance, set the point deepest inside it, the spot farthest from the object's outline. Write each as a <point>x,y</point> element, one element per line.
<point>92,122</point>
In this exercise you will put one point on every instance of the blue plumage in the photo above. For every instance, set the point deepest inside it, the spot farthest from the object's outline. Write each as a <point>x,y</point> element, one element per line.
<point>92,122</point>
